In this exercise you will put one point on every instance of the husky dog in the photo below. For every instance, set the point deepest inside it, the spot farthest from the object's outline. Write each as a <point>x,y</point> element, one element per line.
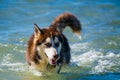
<point>48,48</point>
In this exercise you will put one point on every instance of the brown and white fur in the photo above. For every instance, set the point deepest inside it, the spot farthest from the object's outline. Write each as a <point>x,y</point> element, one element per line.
<point>48,47</point>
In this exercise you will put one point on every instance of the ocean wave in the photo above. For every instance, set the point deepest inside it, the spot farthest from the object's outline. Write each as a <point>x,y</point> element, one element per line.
<point>19,48</point>
<point>8,64</point>
<point>95,61</point>
<point>98,62</point>
<point>79,47</point>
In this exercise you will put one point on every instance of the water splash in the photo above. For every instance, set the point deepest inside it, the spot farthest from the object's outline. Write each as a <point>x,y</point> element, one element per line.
<point>8,64</point>
<point>98,62</point>
<point>35,72</point>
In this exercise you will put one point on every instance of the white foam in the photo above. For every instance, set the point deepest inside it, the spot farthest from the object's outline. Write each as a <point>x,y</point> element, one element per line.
<point>11,64</point>
<point>79,47</point>
<point>14,67</point>
<point>18,67</point>
<point>8,64</point>
<point>6,59</point>
<point>35,72</point>
<point>4,45</point>
<point>112,43</point>
<point>98,62</point>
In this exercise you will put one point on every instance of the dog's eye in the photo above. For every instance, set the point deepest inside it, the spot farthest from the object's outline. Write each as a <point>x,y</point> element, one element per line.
<point>39,43</point>
<point>48,45</point>
<point>57,44</point>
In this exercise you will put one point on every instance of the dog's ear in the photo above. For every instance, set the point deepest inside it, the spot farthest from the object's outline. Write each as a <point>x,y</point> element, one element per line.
<point>37,30</point>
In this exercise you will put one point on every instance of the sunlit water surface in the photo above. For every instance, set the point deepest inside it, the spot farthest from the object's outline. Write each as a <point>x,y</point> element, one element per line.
<point>95,57</point>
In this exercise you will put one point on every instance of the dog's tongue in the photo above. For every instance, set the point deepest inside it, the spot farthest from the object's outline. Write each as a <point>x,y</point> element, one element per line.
<point>53,61</point>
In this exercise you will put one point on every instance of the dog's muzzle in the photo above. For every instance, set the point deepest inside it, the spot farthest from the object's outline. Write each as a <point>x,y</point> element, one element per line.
<point>53,61</point>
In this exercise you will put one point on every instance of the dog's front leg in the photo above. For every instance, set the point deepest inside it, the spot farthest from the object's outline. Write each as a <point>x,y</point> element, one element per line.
<point>59,67</point>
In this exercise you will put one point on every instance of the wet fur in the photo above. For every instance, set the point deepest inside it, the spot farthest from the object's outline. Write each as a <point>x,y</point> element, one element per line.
<point>38,59</point>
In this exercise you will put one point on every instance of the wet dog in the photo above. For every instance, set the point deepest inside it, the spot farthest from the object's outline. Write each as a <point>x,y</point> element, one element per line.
<point>48,48</point>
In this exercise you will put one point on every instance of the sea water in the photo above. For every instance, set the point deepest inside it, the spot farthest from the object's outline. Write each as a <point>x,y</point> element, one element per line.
<point>95,57</point>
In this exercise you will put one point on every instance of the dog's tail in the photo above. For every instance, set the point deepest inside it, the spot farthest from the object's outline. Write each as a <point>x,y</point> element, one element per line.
<point>67,20</point>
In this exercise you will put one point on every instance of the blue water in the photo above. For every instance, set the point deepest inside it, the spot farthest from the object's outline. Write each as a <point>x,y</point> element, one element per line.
<point>95,57</point>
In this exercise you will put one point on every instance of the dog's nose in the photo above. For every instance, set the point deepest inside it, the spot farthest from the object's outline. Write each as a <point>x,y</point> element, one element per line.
<point>55,56</point>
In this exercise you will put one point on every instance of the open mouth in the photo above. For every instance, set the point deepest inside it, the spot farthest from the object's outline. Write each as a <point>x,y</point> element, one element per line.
<point>53,61</point>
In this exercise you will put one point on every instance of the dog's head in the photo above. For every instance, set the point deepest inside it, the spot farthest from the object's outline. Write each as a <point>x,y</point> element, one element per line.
<point>49,42</point>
